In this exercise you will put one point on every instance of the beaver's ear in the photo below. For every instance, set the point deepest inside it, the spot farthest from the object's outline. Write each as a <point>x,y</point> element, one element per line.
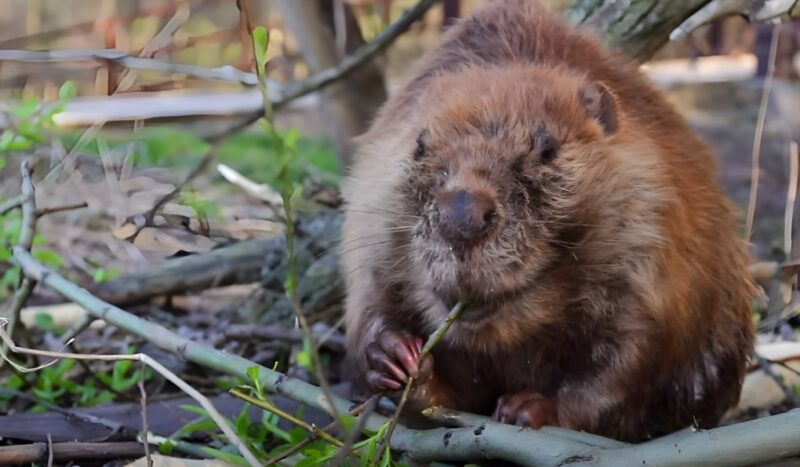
<point>422,145</point>
<point>600,105</point>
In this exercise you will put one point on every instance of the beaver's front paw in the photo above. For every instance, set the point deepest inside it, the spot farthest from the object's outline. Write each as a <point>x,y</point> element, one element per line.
<point>392,359</point>
<point>528,408</point>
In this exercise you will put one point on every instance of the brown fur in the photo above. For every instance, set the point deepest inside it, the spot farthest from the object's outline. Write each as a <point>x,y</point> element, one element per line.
<point>613,281</point>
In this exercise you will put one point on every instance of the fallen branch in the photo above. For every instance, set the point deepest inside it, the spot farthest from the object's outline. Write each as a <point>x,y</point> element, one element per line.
<point>331,341</point>
<point>239,263</point>
<point>66,452</point>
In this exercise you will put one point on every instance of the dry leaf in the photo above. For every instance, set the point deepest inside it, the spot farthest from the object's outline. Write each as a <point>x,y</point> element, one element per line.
<point>170,241</point>
<point>125,231</point>
<point>760,391</point>
<point>63,315</point>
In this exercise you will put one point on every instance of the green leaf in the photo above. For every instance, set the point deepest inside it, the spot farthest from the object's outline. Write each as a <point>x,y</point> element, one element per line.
<point>224,456</point>
<point>243,422</point>
<point>3,162</point>
<point>39,239</point>
<point>63,367</point>
<point>48,257</point>
<point>297,434</point>
<point>253,373</point>
<point>5,254</point>
<point>257,433</point>
<point>387,458</point>
<point>70,386</point>
<point>291,138</point>
<point>205,425</point>
<point>43,321</point>
<point>102,398</point>
<point>166,447</point>
<point>26,108</point>
<point>348,422</point>
<point>260,44</point>
<point>278,432</point>
<point>68,90</point>
<point>11,141</point>
<point>195,410</point>
<point>101,275</point>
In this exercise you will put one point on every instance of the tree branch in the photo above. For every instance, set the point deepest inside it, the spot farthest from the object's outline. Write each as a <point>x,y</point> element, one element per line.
<point>754,10</point>
<point>223,73</point>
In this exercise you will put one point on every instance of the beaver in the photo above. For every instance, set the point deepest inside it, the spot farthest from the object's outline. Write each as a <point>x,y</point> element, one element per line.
<point>539,177</point>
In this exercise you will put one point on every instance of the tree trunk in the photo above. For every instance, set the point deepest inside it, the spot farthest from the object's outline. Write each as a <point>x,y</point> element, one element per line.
<point>348,105</point>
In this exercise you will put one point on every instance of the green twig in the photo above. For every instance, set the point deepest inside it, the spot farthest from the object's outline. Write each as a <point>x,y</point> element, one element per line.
<point>287,416</point>
<point>12,203</point>
<point>434,339</point>
<point>27,233</point>
<point>286,153</point>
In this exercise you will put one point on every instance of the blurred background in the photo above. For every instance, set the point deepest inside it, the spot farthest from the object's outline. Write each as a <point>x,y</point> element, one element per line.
<point>140,120</point>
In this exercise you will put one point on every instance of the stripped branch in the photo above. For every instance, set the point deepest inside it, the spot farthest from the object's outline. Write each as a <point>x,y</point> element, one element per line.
<point>771,11</point>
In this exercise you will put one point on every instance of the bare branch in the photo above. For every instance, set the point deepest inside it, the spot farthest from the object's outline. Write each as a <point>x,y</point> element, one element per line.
<point>755,10</point>
<point>757,139</point>
<point>223,73</point>
<point>12,203</point>
<point>67,207</point>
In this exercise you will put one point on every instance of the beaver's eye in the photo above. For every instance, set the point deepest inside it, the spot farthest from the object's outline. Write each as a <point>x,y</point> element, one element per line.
<point>544,145</point>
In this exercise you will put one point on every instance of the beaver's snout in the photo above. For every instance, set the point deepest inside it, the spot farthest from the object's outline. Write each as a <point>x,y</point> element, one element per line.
<point>464,215</point>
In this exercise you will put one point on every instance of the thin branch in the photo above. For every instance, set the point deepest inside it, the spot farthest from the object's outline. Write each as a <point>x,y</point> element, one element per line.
<point>368,408</point>
<point>791,195</point>
<point>762,115</point>
<point>287,416</point>
<point>145,427</point>
<point>28,230</point>
<point>27,233</point>
<point>259,191</point>
<point>362,408</point>
<point>79,327</point>
<point>67,207</point>
<point>50,450</point>
<point>766,367</point>
<point>12,203</point>
<point>434,339</point>
<point>198,169</point>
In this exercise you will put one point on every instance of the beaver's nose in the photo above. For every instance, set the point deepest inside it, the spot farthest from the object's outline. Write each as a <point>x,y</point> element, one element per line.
<point>464,215</point>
